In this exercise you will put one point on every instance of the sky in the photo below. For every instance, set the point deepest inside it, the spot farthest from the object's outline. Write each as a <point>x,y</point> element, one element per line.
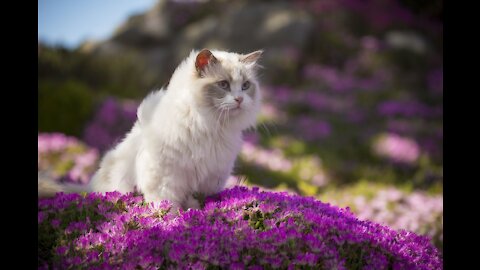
<point>70,22</point>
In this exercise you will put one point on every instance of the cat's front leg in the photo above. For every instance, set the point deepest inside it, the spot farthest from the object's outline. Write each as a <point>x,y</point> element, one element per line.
<point>150,196</point>
<point>169,189</point>
<point>156,188</point>
<point>155,183</point>
<point>191,203</point>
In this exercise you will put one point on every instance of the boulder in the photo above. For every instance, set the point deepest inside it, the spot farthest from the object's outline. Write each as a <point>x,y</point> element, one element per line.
<point>165,34</point>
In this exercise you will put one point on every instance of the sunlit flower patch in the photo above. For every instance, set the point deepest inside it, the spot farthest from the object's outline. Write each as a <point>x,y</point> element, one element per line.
<point>417,211</point>
<point>65,158</point>
<point>240,228</point>
<point>397,148</point>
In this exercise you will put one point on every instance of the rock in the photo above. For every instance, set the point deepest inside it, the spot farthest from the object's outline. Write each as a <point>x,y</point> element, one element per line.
<point>164,35</point>
<point>406,40</point>
<point>275,27</point>
<point>145,30</point>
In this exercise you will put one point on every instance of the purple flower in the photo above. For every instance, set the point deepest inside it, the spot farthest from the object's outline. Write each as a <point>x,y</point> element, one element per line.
<point>237,227</point>
<point>110,123</point>
<point>408,109</point>
<point>314,129</point>
<point>41,217</point>
<point>55,223</point>
<point>346,80</point>
<point>435,81</point>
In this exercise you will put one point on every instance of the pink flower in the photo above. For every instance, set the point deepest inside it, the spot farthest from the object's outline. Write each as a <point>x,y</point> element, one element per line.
<point>397,148</point>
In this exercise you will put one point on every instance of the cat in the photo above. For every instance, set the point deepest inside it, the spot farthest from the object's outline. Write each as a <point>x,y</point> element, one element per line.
<point>188,134</point>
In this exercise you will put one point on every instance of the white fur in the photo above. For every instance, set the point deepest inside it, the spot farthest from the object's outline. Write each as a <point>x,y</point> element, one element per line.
<point>178,146</point>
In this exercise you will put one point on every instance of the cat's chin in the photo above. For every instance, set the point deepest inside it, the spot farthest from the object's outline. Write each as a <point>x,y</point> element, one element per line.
<point>234,111</point>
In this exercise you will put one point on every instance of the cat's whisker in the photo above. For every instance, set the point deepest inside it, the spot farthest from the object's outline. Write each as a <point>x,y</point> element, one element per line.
<point>242,180</point>
<point>265,127</point>
<point>219,124</point>
<point>228,116</point>
<point>272,122</point>
<point>225,118</point>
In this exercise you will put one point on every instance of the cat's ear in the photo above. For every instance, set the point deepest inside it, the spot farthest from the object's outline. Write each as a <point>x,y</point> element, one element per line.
<point>251,58</point>
<point>204,58</point>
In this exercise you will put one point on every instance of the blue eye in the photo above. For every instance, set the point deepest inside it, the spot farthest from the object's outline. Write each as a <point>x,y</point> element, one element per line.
<point>246,85</point>
<point>223,84</point>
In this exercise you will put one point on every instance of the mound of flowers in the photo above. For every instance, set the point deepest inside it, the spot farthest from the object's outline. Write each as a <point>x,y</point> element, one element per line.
<point>240,228</point>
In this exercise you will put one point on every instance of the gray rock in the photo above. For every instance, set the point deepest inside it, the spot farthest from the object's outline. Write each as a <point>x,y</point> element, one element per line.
<point>145,30</point>
<point>166,34</point>
<point>406,40</point>
<point>275,27</point>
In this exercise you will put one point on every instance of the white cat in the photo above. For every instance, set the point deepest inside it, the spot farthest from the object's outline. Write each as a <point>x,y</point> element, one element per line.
<point>187,136</point>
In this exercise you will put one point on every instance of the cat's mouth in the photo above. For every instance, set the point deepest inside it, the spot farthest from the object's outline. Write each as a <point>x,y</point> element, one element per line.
<point>234,110</point>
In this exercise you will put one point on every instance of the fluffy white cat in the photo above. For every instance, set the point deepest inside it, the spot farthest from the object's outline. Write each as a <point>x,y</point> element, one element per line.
<point>188,135</point>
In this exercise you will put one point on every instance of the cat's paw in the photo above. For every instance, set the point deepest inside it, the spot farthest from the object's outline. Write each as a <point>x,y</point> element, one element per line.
<point>176,208</point>
<point>192,203</point>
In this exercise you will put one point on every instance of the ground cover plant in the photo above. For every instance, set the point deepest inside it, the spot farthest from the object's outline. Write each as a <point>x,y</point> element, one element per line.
<point>240,228</point>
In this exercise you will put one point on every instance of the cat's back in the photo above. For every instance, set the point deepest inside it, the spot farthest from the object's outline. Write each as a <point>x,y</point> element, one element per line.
<point>146,109</point>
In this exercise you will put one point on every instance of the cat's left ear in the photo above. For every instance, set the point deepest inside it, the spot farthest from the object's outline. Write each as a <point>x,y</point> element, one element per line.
<point>204,58</point>
<point>251,58</point>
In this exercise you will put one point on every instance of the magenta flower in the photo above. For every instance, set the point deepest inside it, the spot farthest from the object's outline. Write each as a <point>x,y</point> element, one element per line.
<point>111,122</point>
<point>313,129</point>
<point>237,228</point>
<point>408,109</point>
<point>435,81</point>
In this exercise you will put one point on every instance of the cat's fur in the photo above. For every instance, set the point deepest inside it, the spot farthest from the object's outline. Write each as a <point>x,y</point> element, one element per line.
<point>187,136</point>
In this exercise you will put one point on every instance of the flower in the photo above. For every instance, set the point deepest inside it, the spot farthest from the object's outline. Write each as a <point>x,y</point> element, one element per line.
<point>408,109</point>
<point>397,148</point>
<point>271,159</point>
<point>415,211</point>
<point>435,80</point>
<point>65,158</point>
<point>313,129</point>
<point>110,123</point>
<point>237,227</point>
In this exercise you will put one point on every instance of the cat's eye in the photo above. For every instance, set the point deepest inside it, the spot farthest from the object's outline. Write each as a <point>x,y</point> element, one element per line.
<point>246,85</point>
<point>223,84</point>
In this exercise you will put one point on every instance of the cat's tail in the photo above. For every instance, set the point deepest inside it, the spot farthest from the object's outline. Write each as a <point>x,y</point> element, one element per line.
<point>47,187</point>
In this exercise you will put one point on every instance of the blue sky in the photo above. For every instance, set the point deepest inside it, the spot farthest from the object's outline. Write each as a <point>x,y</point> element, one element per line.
<point>69,22</point>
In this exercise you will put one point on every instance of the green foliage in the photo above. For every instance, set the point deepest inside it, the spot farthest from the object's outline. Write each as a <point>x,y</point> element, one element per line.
<point>64,106</point>
<point>123,75</point>
<point>71,82</point>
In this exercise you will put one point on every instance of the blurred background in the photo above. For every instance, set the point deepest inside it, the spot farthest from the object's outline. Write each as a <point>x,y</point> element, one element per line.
<point>353,110</point>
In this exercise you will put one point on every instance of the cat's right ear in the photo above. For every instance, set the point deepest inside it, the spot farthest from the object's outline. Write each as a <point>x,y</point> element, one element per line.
<point>204,58</point>
<point>251,58</point>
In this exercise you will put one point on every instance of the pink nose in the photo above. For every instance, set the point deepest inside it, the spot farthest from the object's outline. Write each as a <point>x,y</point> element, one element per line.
<point>239,100</point>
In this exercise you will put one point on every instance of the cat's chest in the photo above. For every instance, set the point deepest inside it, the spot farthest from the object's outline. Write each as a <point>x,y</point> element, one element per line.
<point>214,152</point>
<point>209,152</point>
<point>211,165</point>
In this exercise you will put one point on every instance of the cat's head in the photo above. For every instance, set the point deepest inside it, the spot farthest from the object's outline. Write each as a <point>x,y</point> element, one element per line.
<point>226,87</point>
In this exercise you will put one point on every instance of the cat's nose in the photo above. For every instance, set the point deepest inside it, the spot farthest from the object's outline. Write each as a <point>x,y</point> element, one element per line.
<point>239,100</point>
